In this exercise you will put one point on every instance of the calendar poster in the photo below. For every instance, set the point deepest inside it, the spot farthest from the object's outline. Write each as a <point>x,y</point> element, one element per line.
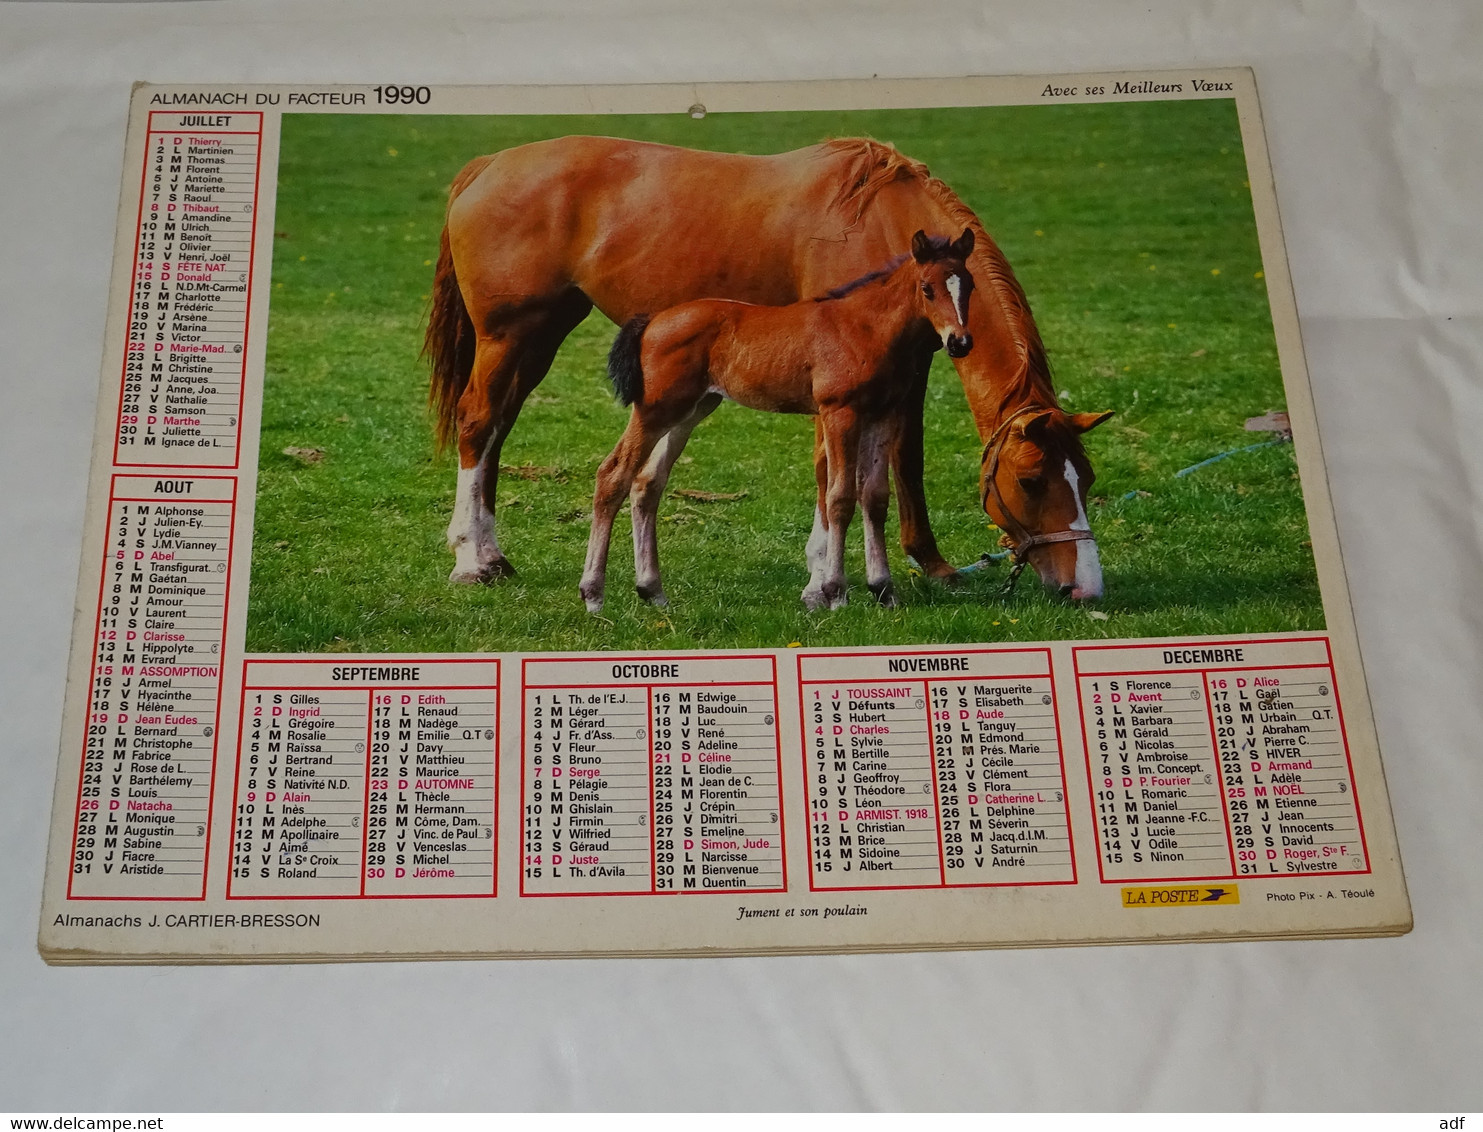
<point>821,517</point>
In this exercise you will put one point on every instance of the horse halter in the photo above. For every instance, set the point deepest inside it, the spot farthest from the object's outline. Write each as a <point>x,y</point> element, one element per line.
<point>1016,538</point>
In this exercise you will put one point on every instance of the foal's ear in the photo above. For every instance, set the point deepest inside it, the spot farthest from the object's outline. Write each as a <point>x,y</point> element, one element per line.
<point>1085,422</point>
<point>921,248</point>
<point>963,245</point>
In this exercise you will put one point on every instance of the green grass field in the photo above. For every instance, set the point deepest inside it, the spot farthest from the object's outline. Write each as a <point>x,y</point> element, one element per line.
<point>1130,226</point>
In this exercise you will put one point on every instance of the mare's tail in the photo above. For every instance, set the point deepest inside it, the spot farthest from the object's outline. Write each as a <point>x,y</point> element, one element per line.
<point>449,344</point>
<point>625,370</point>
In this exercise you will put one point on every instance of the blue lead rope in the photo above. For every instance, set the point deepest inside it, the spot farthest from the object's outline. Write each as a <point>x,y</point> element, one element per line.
<point>1217,458</point>
<point>984,562</point>
<point>1222,455</point>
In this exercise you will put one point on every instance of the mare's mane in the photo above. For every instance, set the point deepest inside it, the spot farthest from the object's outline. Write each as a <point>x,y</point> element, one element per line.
<point>872,166</point>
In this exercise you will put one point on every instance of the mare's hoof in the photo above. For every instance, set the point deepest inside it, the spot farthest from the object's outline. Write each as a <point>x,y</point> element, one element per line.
<point>837,600</point>
<point>485,575</point>
<point>654,595</point>
<point>885,594</point>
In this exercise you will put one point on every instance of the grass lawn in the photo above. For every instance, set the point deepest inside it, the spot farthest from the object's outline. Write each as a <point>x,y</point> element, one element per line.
<point>1130,226</point>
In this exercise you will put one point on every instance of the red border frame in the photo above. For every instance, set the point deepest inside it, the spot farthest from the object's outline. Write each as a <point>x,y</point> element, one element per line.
<point>226,605</point>
<point>650,685</point>
<point>1204,673</point>
<point>924,680</point>
<point>247,305</point>
<point>371,690</point>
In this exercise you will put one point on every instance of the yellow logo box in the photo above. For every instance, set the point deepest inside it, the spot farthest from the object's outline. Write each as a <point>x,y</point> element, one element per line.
<point>1181,896</point>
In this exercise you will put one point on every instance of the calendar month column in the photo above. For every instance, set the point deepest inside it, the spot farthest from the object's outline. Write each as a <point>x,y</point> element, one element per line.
<point>366,779</point>
<point>181,396</point>
<point>651,775</point>
<point>145,787</point>
<point>929,770</point>
<point>1218,761</point>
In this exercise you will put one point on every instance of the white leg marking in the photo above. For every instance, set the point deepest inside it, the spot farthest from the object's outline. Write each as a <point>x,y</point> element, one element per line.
<point>651,481</point>
<point>816,554</point>
<point>872,476</point>
<point>654,477</point>
<point>463,496</point>
<point>595,568</point>
<point>471,534</point>
<point>1088,582</point>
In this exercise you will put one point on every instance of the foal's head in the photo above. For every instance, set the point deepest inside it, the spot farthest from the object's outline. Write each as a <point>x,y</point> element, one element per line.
<point>943,287</point>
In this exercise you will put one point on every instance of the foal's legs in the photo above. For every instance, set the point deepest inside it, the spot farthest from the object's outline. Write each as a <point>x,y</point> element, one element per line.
<point>842,445</point>
<point>876,445</point>
<point>614,478</point>
<point>816,553</point>
<point>648,489</point>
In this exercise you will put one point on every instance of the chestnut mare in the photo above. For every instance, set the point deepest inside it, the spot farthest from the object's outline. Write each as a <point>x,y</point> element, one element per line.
<point>537,235</point>
<point>837,357</point>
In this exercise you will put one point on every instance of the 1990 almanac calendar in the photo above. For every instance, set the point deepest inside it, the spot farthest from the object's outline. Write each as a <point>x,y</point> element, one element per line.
<point>1001,600</point>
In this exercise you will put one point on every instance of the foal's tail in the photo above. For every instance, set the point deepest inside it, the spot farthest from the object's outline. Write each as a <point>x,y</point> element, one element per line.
<point>625,370</point>
<point>449,344</point>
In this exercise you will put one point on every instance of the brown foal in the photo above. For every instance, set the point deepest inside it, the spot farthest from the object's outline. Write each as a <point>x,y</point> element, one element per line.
<point>840,357</point>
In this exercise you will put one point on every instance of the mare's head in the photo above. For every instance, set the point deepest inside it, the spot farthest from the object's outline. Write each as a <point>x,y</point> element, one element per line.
<point>943,287</point>
<point>1035,480</point>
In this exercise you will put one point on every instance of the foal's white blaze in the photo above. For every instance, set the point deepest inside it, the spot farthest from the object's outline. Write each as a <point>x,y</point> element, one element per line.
<point>960,296</point>
<point>1088,565</point>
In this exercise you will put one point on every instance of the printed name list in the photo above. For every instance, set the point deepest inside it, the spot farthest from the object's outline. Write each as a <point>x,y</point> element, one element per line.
<point>1217,762</point>
<point>366,780</point>
<point>143,804</point>
<point>651,775</point>
<point>928,770</point>
<point>181,402</point>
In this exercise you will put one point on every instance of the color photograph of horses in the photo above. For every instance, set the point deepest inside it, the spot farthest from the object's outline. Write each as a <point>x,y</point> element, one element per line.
<point>1056,327</point>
